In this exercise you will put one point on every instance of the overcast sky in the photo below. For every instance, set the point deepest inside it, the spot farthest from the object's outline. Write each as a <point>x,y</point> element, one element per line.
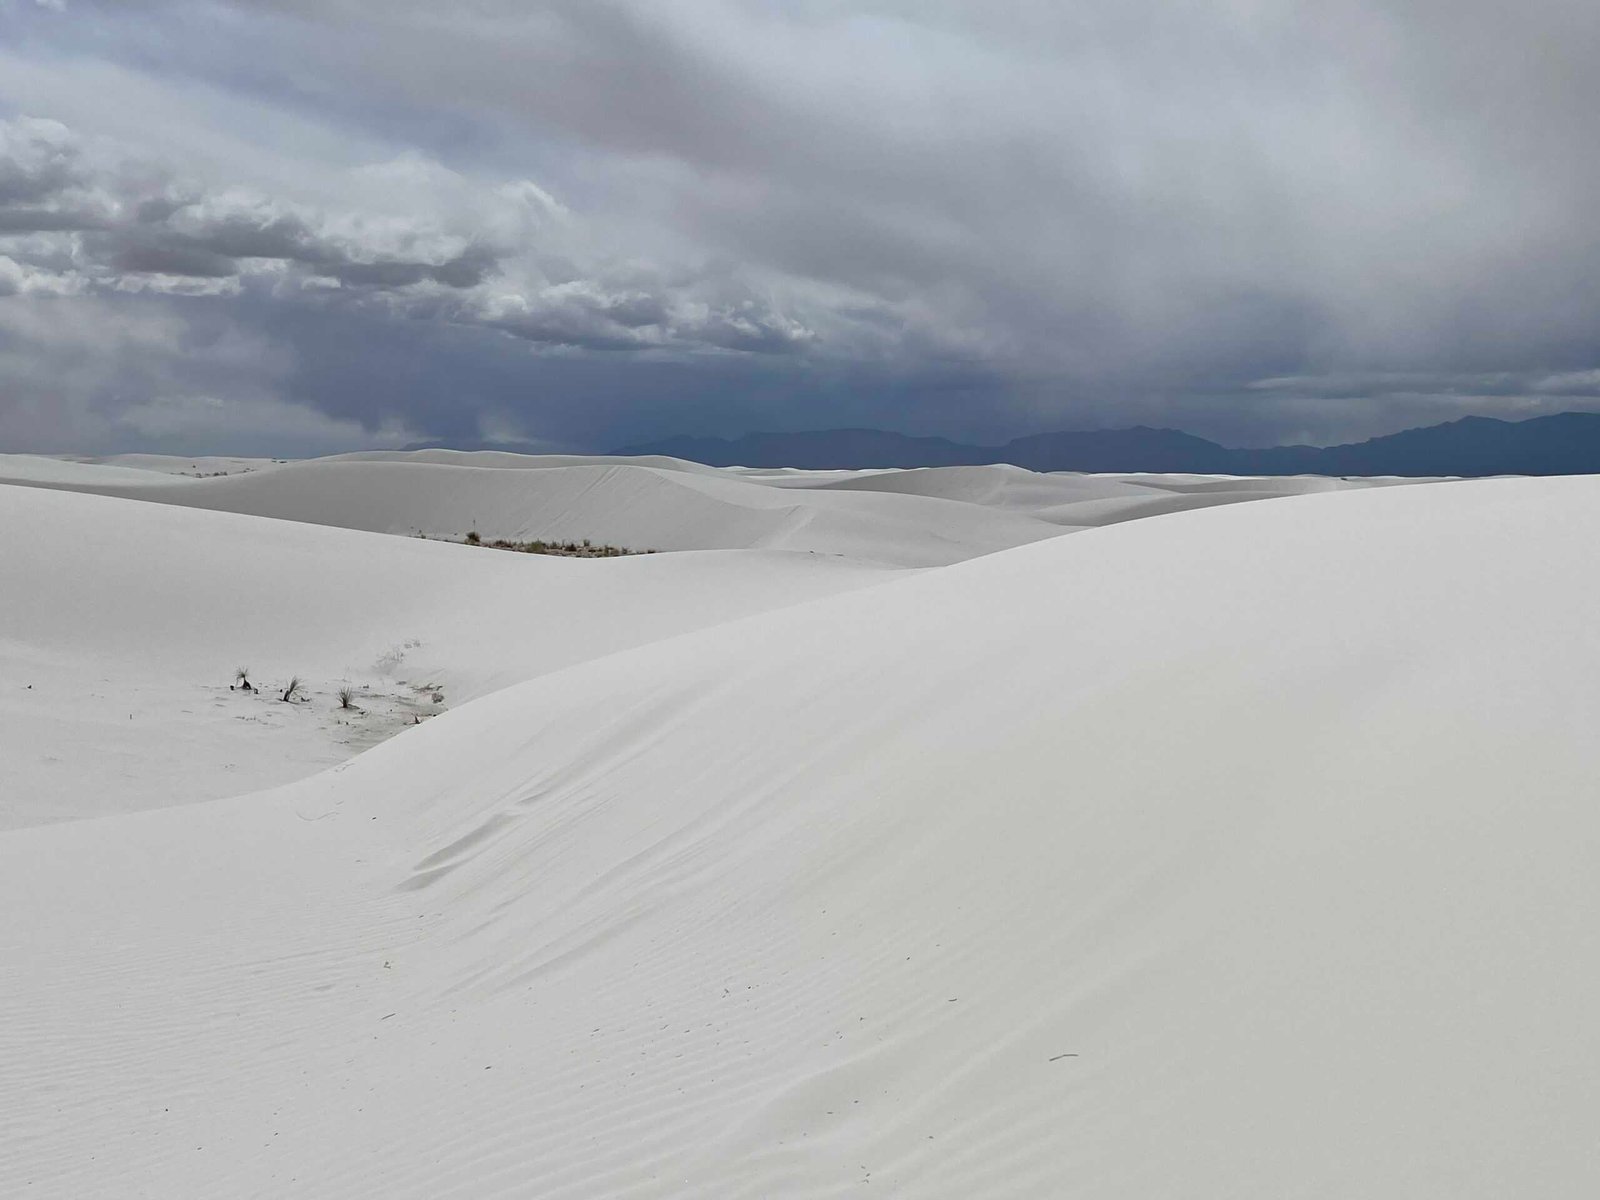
<point>300,226</point>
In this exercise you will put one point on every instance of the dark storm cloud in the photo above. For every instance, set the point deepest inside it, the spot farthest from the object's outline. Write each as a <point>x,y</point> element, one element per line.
<point>216,250</point>
<point>1261,222</point>
<point>46,220</point>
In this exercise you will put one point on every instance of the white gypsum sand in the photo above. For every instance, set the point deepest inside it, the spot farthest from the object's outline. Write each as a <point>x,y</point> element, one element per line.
<point>143,673</point>
<point>1238,852</point>
<point>125,623</point>
<point>918,518</point>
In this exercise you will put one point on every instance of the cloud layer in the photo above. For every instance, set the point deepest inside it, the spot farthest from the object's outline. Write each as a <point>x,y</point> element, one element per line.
<point>79,218</point>
<point>592,221</point>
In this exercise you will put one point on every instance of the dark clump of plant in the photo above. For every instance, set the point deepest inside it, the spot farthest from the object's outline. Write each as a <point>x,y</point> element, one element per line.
<point>347,698</point>
<point>291,692</point>
<point>242,674</point>
<point>583,549</point>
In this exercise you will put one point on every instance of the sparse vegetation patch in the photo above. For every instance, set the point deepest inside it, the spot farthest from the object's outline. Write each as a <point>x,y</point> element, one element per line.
<point>360,714</point>
<point>583,549</point>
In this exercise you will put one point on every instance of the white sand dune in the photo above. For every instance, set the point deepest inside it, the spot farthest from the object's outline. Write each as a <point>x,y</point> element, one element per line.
<point>506,460</point>
<point>37,470</point>
<point>197,467</point>
<point>918,518</point>
<point>635,507</point>
<point>398,624</point>
<point>1240,853</point>
<point>1076,500</point>
<point>124,623</point>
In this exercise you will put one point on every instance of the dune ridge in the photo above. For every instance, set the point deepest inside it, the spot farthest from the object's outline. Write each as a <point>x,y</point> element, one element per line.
<point>912,518</point>
<point>124,624</point>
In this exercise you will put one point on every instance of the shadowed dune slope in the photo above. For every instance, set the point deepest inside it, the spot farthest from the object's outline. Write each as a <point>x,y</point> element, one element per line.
<point>1244,853</point>
<point>634,507</point>
<point>1074,500</point>
<point>123,624</point>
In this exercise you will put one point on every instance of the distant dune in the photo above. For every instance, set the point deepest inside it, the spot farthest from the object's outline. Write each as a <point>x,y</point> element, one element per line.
<point>125,622</point>
<point>921,518</point>
<point>201,587</point>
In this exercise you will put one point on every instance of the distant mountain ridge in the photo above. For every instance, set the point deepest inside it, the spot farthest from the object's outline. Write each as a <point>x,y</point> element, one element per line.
<point>1560,444</point>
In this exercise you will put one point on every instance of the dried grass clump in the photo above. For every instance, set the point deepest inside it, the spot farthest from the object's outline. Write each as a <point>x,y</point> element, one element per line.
<point>584,549</point>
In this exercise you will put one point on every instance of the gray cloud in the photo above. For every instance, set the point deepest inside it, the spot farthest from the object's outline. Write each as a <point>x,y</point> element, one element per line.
<point>37,162</point>
<point>146,229</point>
<point>46,220</point>
<point>116,223</point>
<point>1259,222</point>
<point>1116,180</point>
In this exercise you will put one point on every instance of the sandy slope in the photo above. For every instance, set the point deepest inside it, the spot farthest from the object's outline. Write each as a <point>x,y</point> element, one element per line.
<point>197,467</point>
<point>1074,500</point>
<point>1243,853</point>
<point>635,507</point>
<point>397,624</point>
<point>123,624</point>
<point>508,461</point>
<point>902,518</point>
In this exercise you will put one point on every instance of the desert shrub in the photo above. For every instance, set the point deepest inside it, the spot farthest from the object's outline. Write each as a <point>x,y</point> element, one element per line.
<point>584,549</point>
<point>242,675</point>
<point>292,691</point>
<point>347,698</point>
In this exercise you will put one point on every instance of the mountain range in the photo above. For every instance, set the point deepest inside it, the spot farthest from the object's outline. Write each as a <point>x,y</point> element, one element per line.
<point>1560,444</point>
